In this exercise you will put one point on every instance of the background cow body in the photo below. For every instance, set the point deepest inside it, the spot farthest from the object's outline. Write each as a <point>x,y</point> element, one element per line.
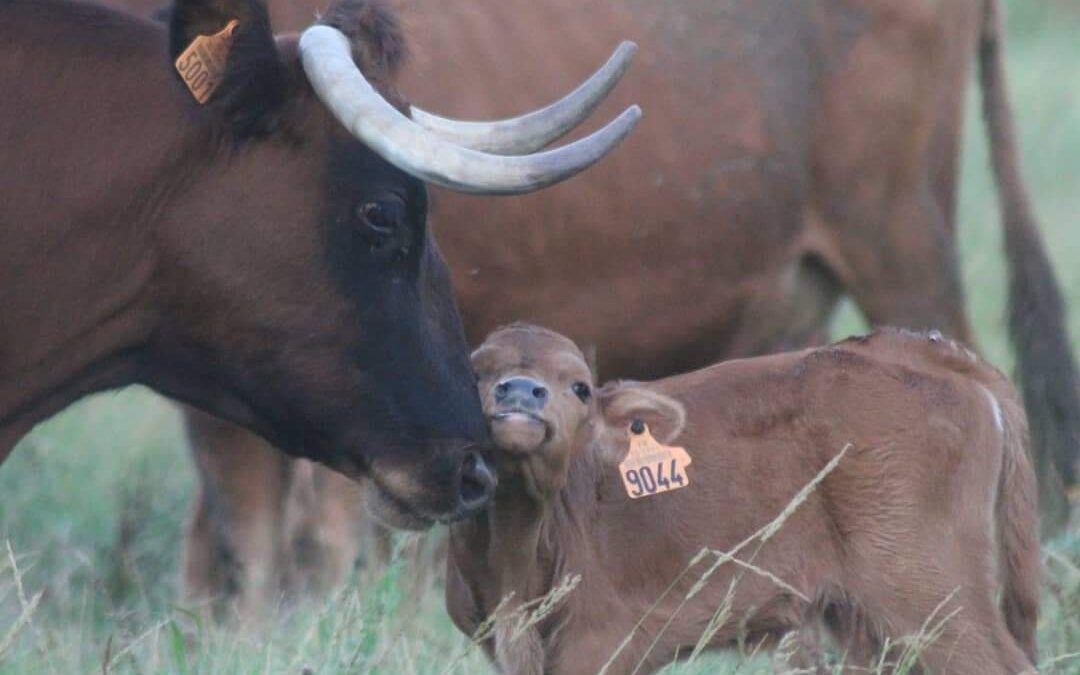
<point>791,154</point>
<point>897,533</point>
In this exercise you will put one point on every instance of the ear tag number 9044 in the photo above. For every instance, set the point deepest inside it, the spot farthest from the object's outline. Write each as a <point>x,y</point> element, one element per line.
<point>651,467</point>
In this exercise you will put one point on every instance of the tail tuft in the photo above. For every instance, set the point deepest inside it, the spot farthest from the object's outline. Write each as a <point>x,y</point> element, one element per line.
<point>1047,369</point>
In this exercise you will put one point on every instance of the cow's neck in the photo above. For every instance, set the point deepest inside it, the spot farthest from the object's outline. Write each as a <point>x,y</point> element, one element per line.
<point>78,203</point>
<point>80,326</point>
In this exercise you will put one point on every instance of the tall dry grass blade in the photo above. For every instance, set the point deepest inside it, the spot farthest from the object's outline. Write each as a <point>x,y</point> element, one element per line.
<point>27,607</point>
<point>483,632</point>
<point>766,574</point>
<point>701,555</point>
<point>912,646</point>
<point>544,605</point>
<point>16,574</point>
<point>129,647</point>
<point>1052,662</point>
<point>22,622</point>
<point>928,634</point>
<point>717,621</point>
<point>106,658</point>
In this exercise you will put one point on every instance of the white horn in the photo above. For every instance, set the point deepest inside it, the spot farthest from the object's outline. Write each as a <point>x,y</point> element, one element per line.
<point>327,61</point>
<point>538,129</point>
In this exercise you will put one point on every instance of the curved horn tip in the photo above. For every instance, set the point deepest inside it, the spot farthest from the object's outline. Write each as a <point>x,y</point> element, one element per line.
<point>535,130</point>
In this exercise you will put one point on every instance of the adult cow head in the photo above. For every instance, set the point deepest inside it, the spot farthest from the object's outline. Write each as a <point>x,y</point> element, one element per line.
<point>302,292</point>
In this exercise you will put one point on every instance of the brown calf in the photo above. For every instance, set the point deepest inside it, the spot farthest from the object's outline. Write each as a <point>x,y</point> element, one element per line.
<point>930,510</point>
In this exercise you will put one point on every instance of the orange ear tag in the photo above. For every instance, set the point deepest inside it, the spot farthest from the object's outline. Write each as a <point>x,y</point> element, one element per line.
<point>202,64</point>
<point>651,467</point>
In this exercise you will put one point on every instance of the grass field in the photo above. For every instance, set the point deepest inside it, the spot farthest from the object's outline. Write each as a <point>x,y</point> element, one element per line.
<point>94,501</point>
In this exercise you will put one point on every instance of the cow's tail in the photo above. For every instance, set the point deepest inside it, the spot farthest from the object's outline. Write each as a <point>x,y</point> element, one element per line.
<point>1046,368</point>
<point>1018,529</point>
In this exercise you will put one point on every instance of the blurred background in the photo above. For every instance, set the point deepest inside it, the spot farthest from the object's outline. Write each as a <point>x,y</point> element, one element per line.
<point>94,501</point>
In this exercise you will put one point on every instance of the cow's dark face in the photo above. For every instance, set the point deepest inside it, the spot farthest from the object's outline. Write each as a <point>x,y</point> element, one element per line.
<point>384,261</point>
<point>299,265</point>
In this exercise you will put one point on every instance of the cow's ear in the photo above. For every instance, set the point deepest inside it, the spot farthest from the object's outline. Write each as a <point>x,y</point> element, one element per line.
<point>622,403</point>
<point>251,91</point>
<point>374,32</point>
<point>377,40</point>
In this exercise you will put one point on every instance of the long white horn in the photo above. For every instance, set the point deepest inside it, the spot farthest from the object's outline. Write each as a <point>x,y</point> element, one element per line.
<point>327,61</point>
<point>538,129</point>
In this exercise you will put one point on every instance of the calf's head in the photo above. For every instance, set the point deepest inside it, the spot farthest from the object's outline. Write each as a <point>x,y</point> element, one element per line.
<point>300,289</point>
<point>542,406</point>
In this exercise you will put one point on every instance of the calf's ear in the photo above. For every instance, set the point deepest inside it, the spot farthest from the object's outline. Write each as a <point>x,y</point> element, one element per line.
<point>252,85</point>
<point>622,403</point>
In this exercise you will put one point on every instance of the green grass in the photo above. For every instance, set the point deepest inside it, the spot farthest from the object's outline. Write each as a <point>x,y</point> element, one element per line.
<point>94,501</point>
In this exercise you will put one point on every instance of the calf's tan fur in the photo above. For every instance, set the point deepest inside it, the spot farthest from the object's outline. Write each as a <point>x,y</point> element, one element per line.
<point>931,509</point>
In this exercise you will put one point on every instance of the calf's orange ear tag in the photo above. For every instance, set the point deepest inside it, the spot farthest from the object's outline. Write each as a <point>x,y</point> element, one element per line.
<point>202,64</point>
<point>651,467</point>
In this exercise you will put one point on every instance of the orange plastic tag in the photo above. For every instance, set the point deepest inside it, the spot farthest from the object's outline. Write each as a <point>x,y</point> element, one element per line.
<point>202,64</point>
<point>651,467</point>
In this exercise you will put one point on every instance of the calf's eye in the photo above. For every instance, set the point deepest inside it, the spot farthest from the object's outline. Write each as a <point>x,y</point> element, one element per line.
<point>582,391</point>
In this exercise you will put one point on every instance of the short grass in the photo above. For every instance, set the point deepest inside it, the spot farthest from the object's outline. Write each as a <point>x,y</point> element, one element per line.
<point>94,501</point>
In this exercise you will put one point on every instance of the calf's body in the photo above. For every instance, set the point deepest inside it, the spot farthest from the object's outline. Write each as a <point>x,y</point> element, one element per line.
<point>928,512</point>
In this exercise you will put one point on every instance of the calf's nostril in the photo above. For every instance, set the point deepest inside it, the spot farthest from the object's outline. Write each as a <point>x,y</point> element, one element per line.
<point>522,394</point>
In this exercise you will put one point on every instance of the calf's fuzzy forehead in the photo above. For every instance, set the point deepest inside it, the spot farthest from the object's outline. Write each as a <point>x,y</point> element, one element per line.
<point>524,346</point>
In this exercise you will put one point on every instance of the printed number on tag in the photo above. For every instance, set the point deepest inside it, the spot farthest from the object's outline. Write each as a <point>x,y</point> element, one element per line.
<point>202,64</point>
<point>651,467</point>
<point>650,480</point>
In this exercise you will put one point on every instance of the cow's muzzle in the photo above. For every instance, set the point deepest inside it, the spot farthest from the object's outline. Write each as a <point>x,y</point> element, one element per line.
<point>459,485</point>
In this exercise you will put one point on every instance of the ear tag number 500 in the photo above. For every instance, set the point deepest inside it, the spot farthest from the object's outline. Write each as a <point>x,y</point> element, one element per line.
<point>202,64</point>
<point>651,467</point>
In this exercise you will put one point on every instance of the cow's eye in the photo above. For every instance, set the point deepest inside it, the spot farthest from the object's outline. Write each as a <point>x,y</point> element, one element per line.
<point>582,391</point>
<point>383,228</point>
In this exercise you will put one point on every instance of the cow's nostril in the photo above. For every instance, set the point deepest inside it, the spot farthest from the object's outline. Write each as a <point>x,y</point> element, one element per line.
<point>540,393</point>
<point>501,389</point>
<point>477,484</point>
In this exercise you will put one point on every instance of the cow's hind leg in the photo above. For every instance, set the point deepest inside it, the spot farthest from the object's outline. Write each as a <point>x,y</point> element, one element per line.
<point>233,552</point>
<point>902,269</point>
<point>327,530</point>
<point>876,218</point>
<point>201,574</point>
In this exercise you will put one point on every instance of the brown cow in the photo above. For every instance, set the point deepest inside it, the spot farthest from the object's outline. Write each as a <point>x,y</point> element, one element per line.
<point>929,510</point>
<point>253,256</point>
<point>793,152</point>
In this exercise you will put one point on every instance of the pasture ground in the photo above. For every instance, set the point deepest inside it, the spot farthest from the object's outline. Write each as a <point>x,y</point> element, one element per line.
<point>94,501</point>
